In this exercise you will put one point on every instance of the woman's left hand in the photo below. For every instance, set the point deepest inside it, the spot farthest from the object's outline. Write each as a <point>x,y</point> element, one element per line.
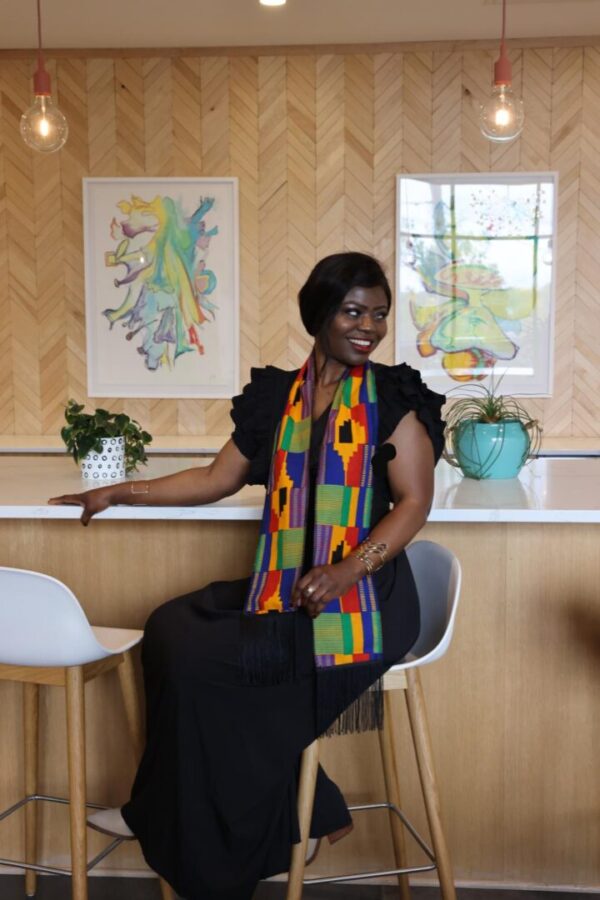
<point>323,583</point>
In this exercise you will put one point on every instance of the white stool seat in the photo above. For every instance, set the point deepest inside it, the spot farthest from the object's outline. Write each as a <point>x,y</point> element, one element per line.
<point>116,640</point>
<point>43,624</point>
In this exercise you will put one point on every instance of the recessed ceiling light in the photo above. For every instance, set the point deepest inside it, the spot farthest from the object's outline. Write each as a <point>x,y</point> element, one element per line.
<point>272,2</point>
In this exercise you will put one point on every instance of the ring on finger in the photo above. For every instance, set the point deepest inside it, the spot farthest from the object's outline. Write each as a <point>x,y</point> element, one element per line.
<point>309,590</point>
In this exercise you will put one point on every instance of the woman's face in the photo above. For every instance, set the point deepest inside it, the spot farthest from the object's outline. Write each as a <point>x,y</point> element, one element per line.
<point>357,327</point>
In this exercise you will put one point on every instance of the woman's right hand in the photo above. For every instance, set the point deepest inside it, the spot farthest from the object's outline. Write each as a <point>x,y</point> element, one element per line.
<point>93,502</point>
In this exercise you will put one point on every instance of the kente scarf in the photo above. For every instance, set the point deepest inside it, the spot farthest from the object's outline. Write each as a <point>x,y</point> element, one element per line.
<point>348,630</point>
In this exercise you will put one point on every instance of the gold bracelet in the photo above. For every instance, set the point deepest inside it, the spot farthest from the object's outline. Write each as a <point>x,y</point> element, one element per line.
<point>380,549</point>
<point>365,560</point>
<point>365,553</point>
<point>133,490</point>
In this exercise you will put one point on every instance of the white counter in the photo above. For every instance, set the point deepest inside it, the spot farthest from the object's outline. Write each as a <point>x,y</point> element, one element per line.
<point>547,490</point>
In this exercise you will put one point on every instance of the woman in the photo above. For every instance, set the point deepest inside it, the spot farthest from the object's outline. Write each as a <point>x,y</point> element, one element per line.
<point>241,676</point>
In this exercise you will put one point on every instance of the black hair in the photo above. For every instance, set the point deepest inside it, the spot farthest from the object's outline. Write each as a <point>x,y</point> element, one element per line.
<point>329,282</point>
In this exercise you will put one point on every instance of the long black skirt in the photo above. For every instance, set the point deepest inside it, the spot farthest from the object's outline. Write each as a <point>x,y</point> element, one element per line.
<point>214,800</point>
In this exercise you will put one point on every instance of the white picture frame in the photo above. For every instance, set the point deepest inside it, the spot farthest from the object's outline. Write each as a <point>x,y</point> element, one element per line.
<point>162,287</point>
<point>475,279</point>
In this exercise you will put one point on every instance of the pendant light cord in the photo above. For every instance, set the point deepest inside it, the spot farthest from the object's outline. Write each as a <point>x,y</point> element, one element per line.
<point>39,23</point>
<point>503,23</point>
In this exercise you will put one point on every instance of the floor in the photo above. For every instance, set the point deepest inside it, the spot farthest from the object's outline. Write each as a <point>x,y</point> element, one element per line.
<point>51,888</point>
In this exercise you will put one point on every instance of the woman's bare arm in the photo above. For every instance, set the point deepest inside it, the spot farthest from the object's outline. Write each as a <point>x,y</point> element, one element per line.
<point>410,475</point>
<point>224,476</point>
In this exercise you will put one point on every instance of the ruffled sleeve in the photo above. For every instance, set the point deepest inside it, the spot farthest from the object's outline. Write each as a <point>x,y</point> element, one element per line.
<point>255,413</point>
<point>400,390</point>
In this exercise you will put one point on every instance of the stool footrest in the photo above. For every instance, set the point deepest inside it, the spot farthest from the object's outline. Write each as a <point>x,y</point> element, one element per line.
<point>53,870</point>
<point>408,870</point>
<point>357,876</point>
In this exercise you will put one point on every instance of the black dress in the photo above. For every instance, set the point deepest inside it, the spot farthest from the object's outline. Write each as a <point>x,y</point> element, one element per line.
<point>214,800</point>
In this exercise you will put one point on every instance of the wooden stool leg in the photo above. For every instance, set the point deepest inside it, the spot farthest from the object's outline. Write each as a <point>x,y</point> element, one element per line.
<point>76,755</point>
<point>136,730</point>
<point>132,705</point>
<point>415,702</point>
<point>392,789</point>
<point>30,735</point>
<point>166,891</point>
<point>306,796</point>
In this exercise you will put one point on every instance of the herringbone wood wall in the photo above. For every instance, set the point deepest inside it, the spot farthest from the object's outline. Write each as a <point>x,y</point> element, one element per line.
<point>315,140</point>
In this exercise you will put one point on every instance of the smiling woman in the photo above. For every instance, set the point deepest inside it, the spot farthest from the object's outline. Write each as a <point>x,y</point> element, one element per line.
<point>268,663</point>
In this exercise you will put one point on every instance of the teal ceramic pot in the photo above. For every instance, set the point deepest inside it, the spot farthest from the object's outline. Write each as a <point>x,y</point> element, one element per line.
<point>491,450</point>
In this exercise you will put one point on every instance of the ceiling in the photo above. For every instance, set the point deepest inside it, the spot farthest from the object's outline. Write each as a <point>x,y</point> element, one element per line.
<point>210,23</point>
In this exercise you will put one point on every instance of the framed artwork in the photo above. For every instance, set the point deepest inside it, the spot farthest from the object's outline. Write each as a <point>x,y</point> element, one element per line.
<point>475,279</point>
<point>162,286</point>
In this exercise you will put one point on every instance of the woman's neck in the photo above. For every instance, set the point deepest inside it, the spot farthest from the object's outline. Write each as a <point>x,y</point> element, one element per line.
<point>328,370</point>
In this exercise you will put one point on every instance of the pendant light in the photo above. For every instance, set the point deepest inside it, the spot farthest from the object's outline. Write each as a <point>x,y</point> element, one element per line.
<point>501,117</point>
<point>43,126</point>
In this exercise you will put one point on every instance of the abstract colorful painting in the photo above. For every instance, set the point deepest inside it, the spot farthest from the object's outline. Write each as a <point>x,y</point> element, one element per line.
<point>475,279</point>
<point>161,261</point>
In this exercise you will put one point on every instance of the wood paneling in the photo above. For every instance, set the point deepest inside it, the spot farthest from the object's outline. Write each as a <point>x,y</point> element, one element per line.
<point>315,138</point>
<point>512,707</point>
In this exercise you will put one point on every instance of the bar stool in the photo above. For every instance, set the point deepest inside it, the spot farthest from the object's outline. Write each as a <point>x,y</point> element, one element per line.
<point>437,576</point>
<point>46,639</point>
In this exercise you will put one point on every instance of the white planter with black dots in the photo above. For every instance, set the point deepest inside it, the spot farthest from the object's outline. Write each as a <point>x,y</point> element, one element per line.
<point>108,465</point>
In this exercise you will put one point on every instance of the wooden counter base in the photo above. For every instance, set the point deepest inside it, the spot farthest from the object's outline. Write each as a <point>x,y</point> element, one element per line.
<point>513,707</point>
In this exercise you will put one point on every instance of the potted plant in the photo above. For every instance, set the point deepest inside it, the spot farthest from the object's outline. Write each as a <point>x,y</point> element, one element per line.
<point>489,435</point>
<point>107,445</point>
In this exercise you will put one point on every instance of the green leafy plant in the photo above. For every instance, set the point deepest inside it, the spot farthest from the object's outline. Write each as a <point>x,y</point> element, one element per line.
<point>487,406</point>
<point>83,434</point>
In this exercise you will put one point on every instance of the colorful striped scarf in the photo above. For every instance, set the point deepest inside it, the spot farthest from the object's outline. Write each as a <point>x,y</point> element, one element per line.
<point>348,631</point>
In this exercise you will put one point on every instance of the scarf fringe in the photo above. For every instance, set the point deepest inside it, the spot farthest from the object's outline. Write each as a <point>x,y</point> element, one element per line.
<point>268,648</point>
<point>337,689</point>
